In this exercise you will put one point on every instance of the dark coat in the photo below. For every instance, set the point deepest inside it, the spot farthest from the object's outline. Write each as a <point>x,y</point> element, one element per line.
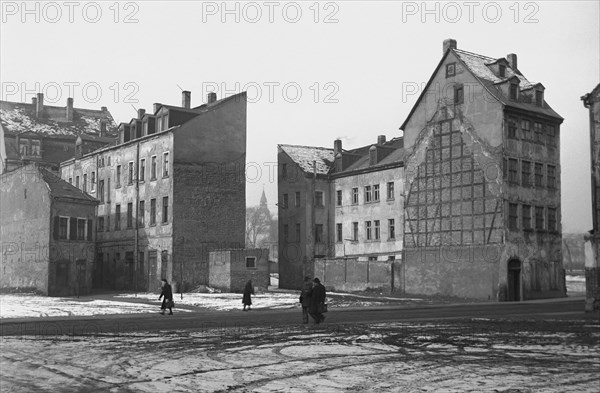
<point>166,292</point>
<point>317,297</point>
<point>248,291</point>
<point>306,294</point>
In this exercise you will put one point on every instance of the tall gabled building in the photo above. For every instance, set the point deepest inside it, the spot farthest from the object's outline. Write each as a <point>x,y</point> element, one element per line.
<point>172,190</point>
<point>47,135</point>
<point>482,185</point>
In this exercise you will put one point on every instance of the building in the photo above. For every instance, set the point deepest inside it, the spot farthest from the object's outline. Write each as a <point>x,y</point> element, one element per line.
<point>592,257</point>
<point>340,214</point>
<point>230,270</point>
<point>482,183</point>
<point>47,231</point>
<point>47,135</point>
<point>169,192</point>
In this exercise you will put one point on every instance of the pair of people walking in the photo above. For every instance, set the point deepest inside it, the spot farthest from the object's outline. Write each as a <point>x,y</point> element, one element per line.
<point>312,299</point>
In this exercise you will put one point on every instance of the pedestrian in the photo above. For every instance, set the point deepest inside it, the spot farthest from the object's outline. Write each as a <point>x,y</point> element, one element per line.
<point>167,295</point>
<point>317,301</point>
<point>248,292</point>
<point>305,298</point>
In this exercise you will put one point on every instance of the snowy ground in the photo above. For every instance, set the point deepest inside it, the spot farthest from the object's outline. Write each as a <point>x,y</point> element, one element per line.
<point>476,355</point>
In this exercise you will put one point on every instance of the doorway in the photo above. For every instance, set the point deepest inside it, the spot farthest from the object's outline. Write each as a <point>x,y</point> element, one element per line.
<point>514,280</point>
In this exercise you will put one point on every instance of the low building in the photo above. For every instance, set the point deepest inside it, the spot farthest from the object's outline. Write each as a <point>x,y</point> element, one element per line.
<point>230,270</point>
<point>47,135</point>
<point>169,192</point>
<point>47,227</point>
<point>592,257</point>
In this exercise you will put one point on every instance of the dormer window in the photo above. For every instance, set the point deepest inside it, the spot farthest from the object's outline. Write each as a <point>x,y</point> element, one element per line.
<point>539,97</point>
<point>35,147</point>
<point>23,147</point>
<point>450,69</point>
<point>502,70</point>
<point>514,91</point>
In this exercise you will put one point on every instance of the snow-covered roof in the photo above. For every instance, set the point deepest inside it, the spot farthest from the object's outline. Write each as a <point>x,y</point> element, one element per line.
<point>479,65</point>
<point>304,156</point>
<point>62,189</point>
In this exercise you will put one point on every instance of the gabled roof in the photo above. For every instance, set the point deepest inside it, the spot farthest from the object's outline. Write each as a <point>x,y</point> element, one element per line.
<point>395,154</point>
<point>17,117</point>
<point>478,66</point>
<point>305,155</point>
<point>62,189</point>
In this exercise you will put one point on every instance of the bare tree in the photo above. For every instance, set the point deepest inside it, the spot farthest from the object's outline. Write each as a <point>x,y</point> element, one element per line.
<point>258,226</point>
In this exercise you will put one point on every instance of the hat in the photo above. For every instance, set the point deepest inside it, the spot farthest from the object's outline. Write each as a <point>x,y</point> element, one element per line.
<point>317,280</point>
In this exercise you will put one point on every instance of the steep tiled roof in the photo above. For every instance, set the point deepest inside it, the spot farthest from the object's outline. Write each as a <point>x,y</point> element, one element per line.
<point>20,117</point>
<point>62,189</point>
<point>305,155</point>
<point>395,153</point>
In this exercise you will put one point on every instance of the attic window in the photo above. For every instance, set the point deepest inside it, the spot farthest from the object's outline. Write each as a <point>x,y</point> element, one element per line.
<point>539,97</point>
<point>514,90</point>
<point>502,71</point>
<point>459,94</point>
<point>450,69</point>
<point>372,156</point>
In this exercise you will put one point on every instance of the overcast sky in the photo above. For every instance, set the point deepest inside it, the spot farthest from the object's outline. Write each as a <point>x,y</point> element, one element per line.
<point>314,72</point>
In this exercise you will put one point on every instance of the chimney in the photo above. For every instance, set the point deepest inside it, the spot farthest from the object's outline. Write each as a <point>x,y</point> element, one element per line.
<point>186,99</point>
<point>104,109</point>
<point>156,106</point>
<point>449,43</point>
<point>380,139</point>
<point>141,113</point>
<point>337,147</point>
<point>211,97</point>
<point>69,109</point>
<point>102,127</point>
<point>512,60</point>
<point>39,107</point>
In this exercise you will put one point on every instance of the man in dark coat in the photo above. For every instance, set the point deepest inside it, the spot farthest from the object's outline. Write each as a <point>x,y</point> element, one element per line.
<point>317,298</point>
<point>248,292</point>
<point>305,298</point>
<point>167,295</point>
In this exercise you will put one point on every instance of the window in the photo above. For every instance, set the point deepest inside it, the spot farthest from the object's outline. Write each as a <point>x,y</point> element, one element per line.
<point>355,196</point>
<point>108,190</point>
<point>376,193</point>
<point>390,190</point>
<point>298,233</point>
<point>165,212</point>
<point>141,213</point>
<point>539,174</point>
<point>100,224</point>
<point>108,160</point>
<point>372,258</point>
<point>538,132</point>
<point>286,233</point>
<point>319,198</point>
<point>152,211</point>
<point>93,183</point>
<point>107,222</point>
<point>551,176</point>
<point>513,176</point>
<point>502,71</point>
<point>550,135</point>
<point>130,215</point>
<point>80,229</point>
<point>367,194</point>
<point>319,233</point>
<point>338,199</point>
<point>153,168</point>
<point>142,170</point>
<point>284,203</point>
<point>85,182</point>
<point>513,216</point>
<point>130,177</point>
<point>458,94</point>
<point>338,231</point>
<point>117,217</point>
<point>552,219</point>
<point>250,262</point>
<point>70,180</point>
<point>166,164</point>
<point>526,217</point>
<point>368,229</point>
<point>377,230</point>
<point>512,128</point>
<point>63,228</point>
<point>526,129</point>
<point>297,200</point>
<point>355,231</point>
<point>284,173</point>
<point>514,91</point>
<point>101,190</point>
<point>392,228</point>
<point>525,173</point>
<point>539,218</point>
<point>450,69</point>
<point>539,97</point>
<point>118,176</point>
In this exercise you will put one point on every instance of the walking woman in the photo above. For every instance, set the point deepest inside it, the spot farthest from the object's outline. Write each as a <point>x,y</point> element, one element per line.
<point>167,295</point>
<point>248,292</point>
